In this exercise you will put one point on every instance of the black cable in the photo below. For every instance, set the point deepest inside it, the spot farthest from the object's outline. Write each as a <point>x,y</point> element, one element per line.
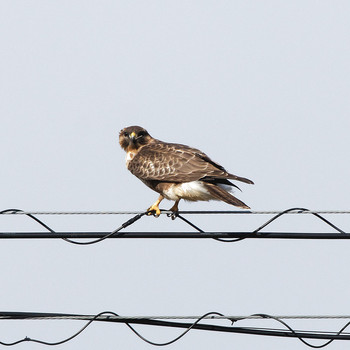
<point>176,235</point>
<point>241,235</point>
<point>201,231</point>
<point>190,223</point>
<point>301,338</point>
<point>281,214</point>
<point>193,325</point>
<point>188,326</point>
<point>113,233</point>
<point>297,210</point>
<point>27,339</point>
<point>266,223</point>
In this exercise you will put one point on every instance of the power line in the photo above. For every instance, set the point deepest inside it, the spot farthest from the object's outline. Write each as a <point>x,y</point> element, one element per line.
<point>173,235</point>
<point>167,212</point>
<point>163,321</point>
<point>11,315</point>
<point>220,236</point>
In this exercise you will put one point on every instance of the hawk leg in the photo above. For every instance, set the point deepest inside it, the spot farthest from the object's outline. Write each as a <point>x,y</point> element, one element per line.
<point>175,209</point>
<point>154,208</point>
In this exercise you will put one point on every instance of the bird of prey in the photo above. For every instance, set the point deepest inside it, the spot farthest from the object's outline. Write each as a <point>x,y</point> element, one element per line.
<point>176,171</point>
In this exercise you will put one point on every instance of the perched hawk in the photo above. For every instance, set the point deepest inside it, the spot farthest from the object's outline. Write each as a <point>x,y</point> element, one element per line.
<point>176,171</point>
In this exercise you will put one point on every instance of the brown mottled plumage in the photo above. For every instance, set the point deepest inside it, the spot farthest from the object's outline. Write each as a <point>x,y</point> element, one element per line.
<point>176,171</point>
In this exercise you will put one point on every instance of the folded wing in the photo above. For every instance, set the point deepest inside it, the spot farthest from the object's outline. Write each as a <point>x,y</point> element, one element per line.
<point>168,162</point>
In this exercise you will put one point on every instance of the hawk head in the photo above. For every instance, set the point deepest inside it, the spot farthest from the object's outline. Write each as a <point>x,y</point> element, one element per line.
<point>133,137</point>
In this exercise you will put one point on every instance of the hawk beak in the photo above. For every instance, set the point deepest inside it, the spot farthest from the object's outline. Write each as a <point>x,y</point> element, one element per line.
<point>132,136</point>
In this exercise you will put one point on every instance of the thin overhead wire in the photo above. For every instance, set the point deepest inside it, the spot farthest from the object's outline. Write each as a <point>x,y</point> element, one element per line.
<point>163,211</point>
<point>185,212</point>
<point>11,315</point>
<point>65,237</point>
<point>163,321</point>
<point>219,236</point>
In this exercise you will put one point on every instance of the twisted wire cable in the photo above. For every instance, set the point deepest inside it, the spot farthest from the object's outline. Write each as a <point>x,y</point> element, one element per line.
<point>203,234</point>
<point>110,316</point>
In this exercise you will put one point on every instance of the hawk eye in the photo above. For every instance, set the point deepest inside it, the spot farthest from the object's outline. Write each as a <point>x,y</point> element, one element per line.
<point>141,134</point>
<point>125,134</point>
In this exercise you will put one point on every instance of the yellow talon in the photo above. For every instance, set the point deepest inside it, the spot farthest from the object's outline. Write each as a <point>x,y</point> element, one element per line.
<point>154,209</point>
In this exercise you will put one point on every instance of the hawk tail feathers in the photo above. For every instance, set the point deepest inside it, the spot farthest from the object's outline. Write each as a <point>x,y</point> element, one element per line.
<point>239,178</point>
<point>222,195</point>
<point>219,181</point>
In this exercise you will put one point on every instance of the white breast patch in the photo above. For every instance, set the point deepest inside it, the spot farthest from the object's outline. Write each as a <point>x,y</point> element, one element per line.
<point>129,156</point>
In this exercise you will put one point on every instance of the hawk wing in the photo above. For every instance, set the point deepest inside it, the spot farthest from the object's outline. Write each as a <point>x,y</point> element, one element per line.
<point>170,162</point>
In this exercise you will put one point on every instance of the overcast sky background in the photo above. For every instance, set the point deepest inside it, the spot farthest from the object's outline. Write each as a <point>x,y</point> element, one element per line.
<point>261,86</point>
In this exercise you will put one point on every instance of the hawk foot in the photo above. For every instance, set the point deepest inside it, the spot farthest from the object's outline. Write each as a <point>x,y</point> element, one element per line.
<point>175,210</point>
<point>173,215</point>
<point>153,210</point>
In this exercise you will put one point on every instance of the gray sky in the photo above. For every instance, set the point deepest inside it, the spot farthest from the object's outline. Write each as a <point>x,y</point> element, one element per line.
<point>261,87</point>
